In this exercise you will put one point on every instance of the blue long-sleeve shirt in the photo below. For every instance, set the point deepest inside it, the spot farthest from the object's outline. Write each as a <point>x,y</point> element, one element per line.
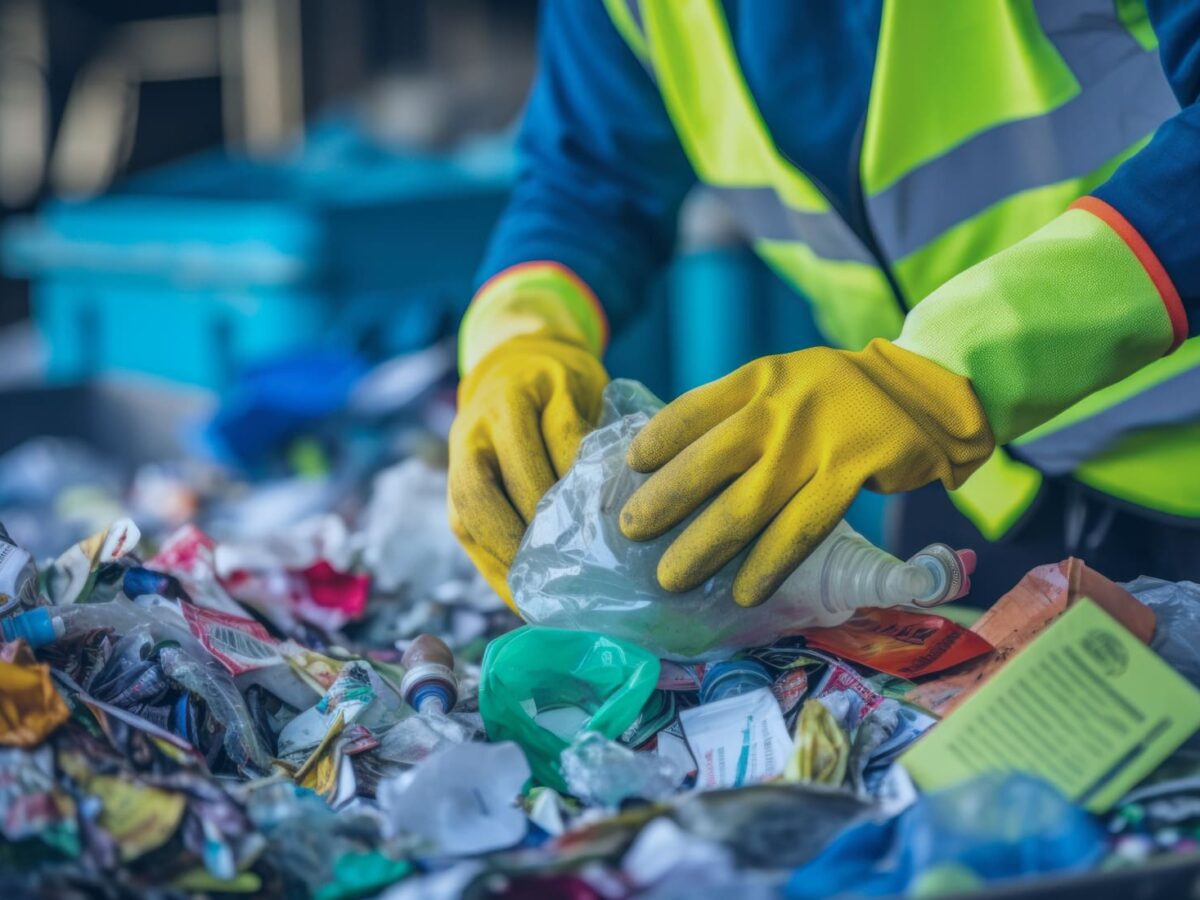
<point>603,174</point>
<point>1158,190</point>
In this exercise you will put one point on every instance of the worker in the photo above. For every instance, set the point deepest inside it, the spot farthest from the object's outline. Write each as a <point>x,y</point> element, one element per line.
<point>993,208</point>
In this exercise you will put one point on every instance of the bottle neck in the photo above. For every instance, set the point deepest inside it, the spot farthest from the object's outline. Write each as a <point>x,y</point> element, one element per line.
<point>857,574</point>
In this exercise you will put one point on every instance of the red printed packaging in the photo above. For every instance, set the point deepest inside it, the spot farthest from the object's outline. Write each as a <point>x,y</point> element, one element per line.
<point>240,644</point>
<point>898,642</point>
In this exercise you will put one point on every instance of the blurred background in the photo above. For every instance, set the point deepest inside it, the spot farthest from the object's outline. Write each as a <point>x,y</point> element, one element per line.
<point>236,102</point>
<point>219,217</point>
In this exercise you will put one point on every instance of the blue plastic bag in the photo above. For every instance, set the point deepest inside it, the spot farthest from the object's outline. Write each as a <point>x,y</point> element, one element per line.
<point>276,400</point>
<point>987,829</point>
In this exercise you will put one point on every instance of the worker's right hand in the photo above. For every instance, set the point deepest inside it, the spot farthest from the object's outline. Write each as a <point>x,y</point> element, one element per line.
<point>522,411</point>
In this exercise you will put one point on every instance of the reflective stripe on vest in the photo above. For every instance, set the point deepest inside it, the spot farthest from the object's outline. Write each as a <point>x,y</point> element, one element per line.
<point>1166,392</point>
<point>791,224</point>
<point>1094,96</point>
<point>953,170</point>
<point>1071,141</point>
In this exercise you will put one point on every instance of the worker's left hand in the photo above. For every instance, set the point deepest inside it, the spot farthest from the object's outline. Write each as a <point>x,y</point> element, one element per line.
<point>784,444</point>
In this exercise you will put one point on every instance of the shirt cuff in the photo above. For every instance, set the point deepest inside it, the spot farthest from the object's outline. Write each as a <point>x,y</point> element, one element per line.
<point>531,298</point>
<point>1149,260</point>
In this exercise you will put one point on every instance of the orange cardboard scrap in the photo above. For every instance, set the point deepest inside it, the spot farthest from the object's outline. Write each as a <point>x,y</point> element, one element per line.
<point>1021,615</point>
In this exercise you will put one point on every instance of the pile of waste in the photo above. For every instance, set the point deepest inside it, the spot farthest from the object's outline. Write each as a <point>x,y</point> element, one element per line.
<point>335,705</point>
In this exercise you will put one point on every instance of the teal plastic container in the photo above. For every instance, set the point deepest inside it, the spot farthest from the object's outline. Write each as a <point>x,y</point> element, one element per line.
<point>532,674</point>
<point>193,271</point>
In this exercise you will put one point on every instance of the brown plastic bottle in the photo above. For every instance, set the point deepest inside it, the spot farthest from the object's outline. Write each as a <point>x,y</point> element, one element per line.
<point>429,685</point>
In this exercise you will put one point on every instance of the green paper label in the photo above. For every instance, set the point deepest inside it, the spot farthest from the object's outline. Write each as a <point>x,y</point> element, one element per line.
<point>1086,706</point>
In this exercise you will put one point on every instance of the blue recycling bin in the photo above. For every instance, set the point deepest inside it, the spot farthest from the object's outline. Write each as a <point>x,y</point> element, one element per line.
<point>193,271</point>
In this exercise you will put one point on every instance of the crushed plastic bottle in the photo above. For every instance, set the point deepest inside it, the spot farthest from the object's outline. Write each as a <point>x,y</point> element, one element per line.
<point>604,773</point>
<point>48,624</point>
<point>576,570</point>
<point>184,660</point>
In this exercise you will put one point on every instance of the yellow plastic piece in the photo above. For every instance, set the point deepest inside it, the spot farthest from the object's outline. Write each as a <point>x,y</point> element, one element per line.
<point>822,748</point>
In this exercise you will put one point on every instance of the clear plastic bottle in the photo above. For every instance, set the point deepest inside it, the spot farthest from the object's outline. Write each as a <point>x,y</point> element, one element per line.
<point>576,570</point>
<point>47,624</point>
<point>184,660</point>
<point>847,572</point>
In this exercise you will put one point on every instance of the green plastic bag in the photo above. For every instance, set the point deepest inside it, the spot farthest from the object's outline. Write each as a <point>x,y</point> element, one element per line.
<point>539,681</point>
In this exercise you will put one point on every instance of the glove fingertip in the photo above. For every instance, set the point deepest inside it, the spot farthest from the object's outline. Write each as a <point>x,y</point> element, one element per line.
<point>748,597</point>
<point>638,458</point>
<point>634,521</point>
<point>672,578</point>
<point>756,583</point>
<point>633,527</point>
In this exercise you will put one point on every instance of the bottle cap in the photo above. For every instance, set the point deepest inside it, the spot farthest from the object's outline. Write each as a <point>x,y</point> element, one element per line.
<point>950,575</point>
<point>732,677</point>
<point>426,681</point>
<point>35,627</point>
<point>431,696</point>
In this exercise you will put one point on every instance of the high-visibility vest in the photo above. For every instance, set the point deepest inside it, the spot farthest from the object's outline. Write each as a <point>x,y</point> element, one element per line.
<point>951,171</point>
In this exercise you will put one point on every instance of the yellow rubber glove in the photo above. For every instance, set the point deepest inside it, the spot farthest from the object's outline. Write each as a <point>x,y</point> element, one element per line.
<point>784,444</point>
<point>529,354</point>
<point>522,412</point>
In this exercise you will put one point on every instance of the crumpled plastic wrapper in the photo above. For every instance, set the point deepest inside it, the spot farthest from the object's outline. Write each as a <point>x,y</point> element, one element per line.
<point>1176,605</point>
<point>605,773</point>
<point>822,748</point>
<point>30,707</point>
<point>461,800</point>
